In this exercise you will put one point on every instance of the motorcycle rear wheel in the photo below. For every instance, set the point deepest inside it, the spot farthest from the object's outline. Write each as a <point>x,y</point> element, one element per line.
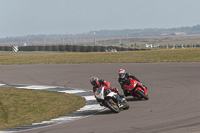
<point>112,106</point>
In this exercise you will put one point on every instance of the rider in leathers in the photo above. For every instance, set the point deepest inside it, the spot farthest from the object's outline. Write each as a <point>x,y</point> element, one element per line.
<point>96,83</point>
<point>124,80</point>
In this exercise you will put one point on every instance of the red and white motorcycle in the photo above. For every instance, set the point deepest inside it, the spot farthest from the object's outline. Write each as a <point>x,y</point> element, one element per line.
<point>110,99</point>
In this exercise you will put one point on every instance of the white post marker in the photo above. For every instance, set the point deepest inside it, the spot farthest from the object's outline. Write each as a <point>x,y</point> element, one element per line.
<point>15,48</point>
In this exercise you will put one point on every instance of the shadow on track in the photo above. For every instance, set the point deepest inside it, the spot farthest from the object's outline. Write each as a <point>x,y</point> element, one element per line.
<point>134,99</point>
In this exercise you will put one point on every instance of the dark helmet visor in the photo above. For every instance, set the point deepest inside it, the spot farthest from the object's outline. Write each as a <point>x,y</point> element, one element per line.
<point>121,75</point>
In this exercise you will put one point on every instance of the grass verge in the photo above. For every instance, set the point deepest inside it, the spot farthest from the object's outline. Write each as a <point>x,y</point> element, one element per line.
<point>171,55</point>
<point>23,107</point>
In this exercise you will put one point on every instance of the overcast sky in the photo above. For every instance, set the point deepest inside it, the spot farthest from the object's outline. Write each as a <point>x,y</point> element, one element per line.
<point>33,17</point>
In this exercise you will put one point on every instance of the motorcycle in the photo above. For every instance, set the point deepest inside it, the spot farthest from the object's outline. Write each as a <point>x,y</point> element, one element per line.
<point>136,89</point>
<point>109,99</point>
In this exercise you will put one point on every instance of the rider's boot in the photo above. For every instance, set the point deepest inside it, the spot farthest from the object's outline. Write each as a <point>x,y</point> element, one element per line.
<point>119,101</point>
<point>120,104</point>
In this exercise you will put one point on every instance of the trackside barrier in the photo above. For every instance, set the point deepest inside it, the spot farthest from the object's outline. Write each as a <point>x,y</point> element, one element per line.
<point>8,48</point>
<point>48,48</point>
<point>2,48</point>
<point>55,48</point>
<point>97,48</point>
<point>62,47</point>
<point>124,49</point>
<point>68,48</point>
<point>41,48</point>
<point>83,48</point>
<point>76,48</point>
<point>103,48</point>
<point>118,48</point>
<point>90,49</point>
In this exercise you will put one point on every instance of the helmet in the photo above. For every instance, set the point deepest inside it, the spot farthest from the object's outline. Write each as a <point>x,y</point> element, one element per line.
<point>122,73</point>
<point>94,80</point>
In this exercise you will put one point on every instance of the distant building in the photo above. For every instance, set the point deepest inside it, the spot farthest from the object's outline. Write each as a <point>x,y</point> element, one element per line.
<point>152,46</point>
<point>124,45</point>
<point>179,33</point>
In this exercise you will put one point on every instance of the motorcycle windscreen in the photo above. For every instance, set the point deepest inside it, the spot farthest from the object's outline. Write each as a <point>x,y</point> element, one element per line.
<point>100,93</point>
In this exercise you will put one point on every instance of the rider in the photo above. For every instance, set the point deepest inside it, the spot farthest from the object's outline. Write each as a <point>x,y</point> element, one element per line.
<point>96,83</point>
<point>124,80</point>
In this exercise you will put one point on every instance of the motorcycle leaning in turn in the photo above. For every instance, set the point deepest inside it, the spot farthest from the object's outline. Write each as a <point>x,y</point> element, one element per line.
<point>136,89</point>
<point>110,99</point>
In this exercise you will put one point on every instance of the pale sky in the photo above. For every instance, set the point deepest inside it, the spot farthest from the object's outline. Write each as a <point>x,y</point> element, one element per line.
<point>33,17</point>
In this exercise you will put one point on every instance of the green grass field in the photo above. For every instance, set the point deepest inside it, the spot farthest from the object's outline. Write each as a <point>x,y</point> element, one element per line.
<point>20,107</point>
<point>171,55</point>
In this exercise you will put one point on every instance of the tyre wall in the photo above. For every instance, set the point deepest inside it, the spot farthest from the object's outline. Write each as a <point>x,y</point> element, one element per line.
<point>124,49</point>
<point>48,48</point>
<point>76,48</point>
<point>103,49</point>
<point>8,48</point>
<point>90,49</point>
<point>2,48</point>
<point>83,48</point>
<point>55,48</point>
<point>69,48</point>
<point>41,48</point>
<point>118,48</point>
<point>97,48</point>
<point>62,48</point>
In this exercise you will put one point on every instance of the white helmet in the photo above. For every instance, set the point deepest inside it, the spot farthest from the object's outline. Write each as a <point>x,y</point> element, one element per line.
<point>122,73</point>
<point>94,80</point>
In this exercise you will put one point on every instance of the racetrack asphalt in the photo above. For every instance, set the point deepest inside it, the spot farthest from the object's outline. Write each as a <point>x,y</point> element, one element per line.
<point>173,105</point>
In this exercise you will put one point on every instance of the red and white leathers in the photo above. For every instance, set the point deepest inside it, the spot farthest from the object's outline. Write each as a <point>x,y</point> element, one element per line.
<point>104,83</point>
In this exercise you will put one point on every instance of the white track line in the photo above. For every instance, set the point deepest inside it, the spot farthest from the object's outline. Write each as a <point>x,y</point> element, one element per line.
<point>35,87</point>
<point>72,91</point>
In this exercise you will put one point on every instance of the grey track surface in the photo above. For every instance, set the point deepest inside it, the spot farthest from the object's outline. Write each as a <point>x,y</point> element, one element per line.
<point>174,91</point>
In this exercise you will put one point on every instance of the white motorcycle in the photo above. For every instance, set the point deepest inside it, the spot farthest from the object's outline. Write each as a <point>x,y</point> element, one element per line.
<point>110,99</point>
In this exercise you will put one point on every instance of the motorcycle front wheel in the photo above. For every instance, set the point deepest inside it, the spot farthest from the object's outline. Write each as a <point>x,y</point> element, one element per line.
<point>126,105</point>
<point>112,106</point>
<point>142,95</point>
